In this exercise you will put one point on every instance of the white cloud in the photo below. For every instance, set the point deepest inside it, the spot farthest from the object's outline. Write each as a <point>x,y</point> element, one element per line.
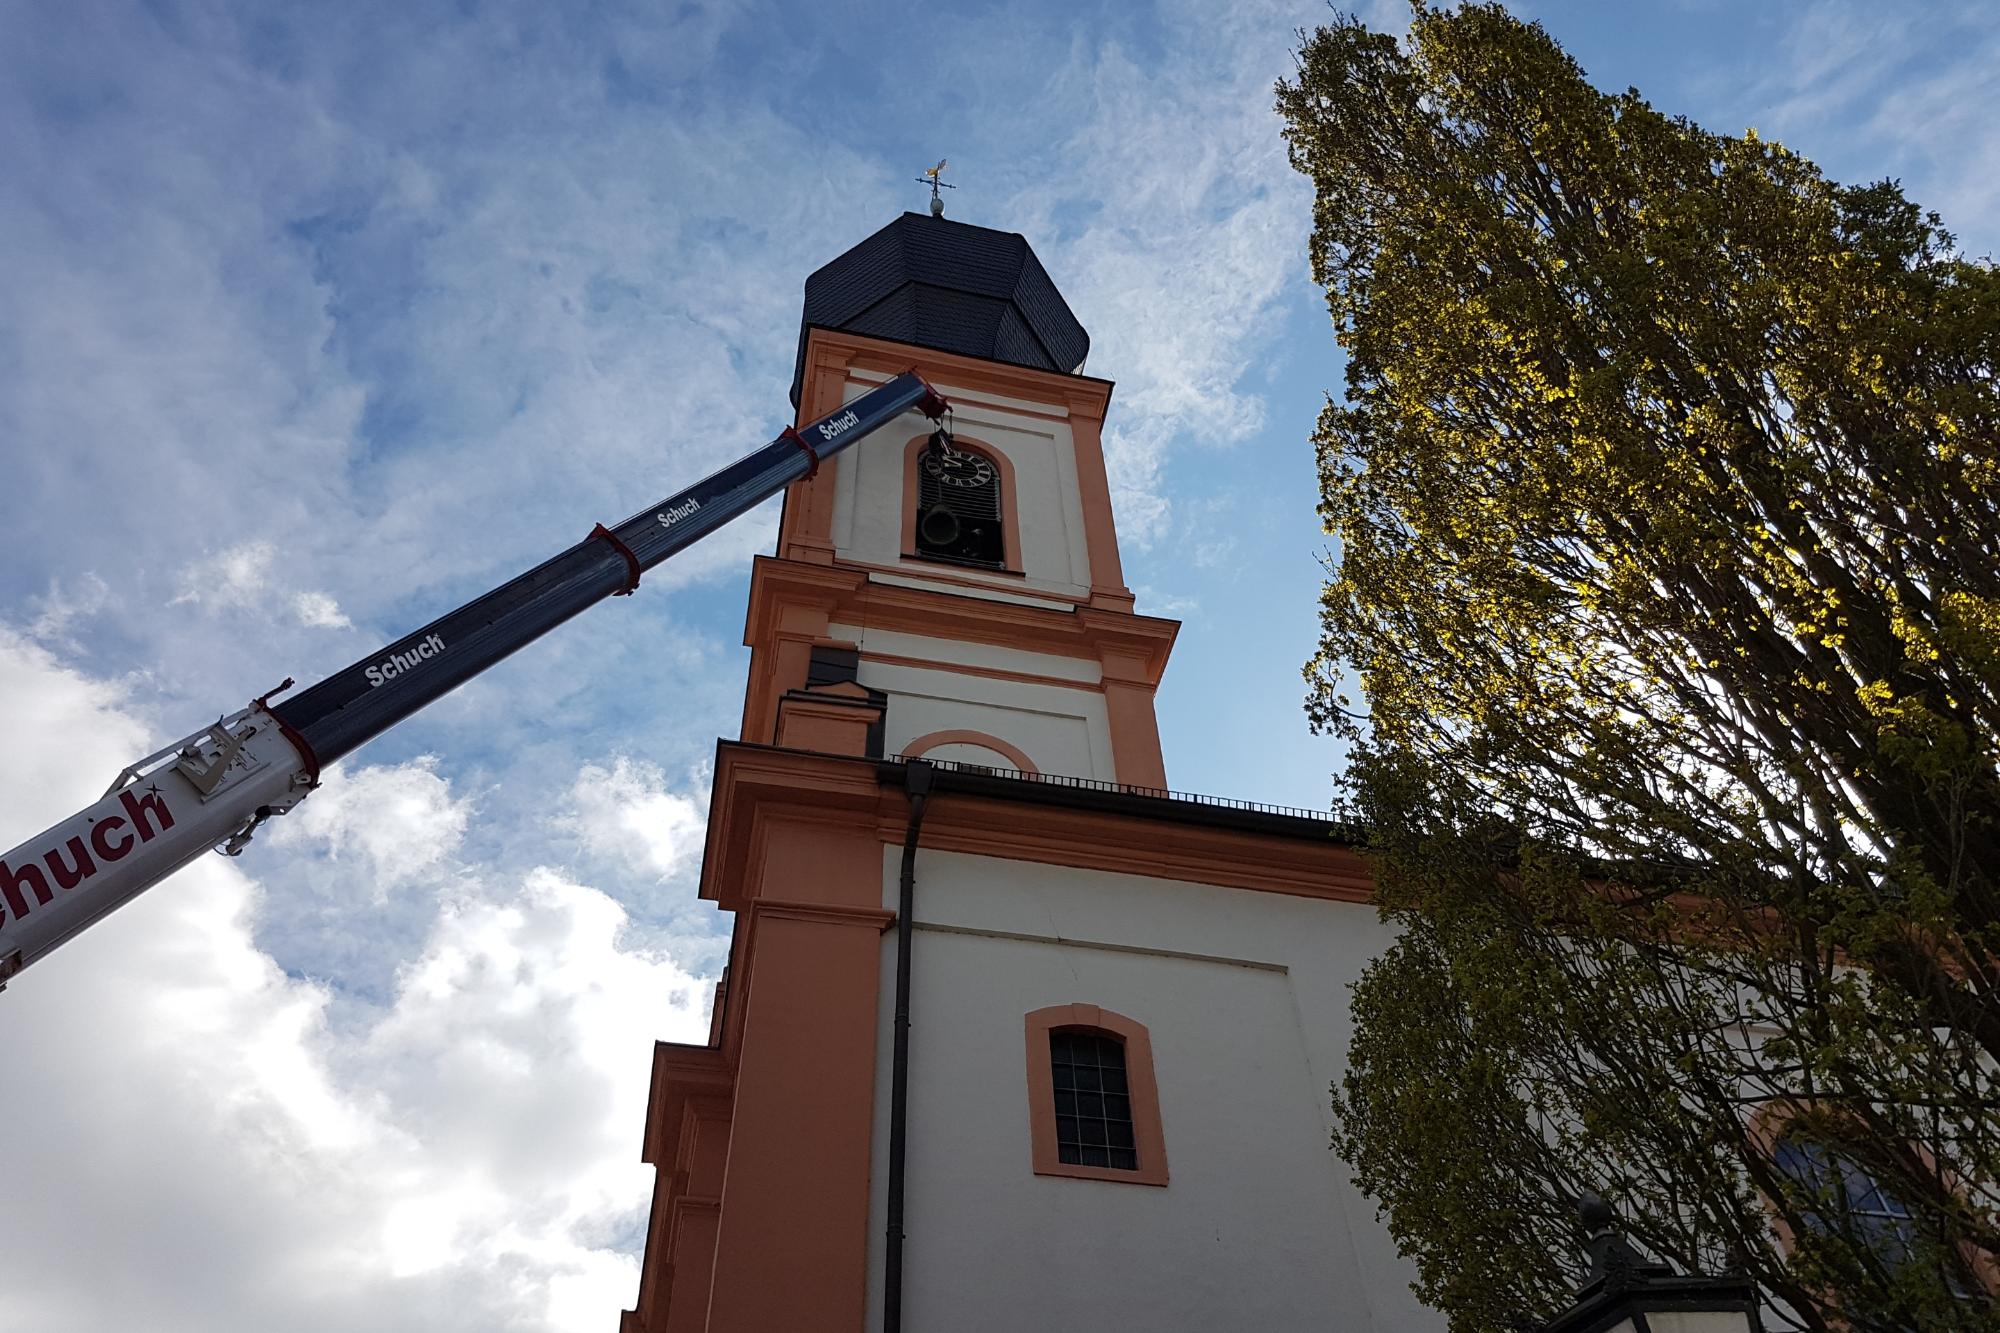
<point>64,607</point>
<point>1193,231</point>
<point>626,814</point>
<point>401,819</point>
<point>319,611</point>
<point>464,1158</point>
<point>240,578</point>
<point>1869,93</point>
<point>234,576</point>
<point>1156,603</point>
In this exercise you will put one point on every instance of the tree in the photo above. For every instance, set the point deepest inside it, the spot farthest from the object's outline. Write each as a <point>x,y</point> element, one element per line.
<point>1669,570</point>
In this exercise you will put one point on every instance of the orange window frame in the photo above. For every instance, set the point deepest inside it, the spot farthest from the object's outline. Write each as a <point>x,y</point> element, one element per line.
<point>1142,1087</point>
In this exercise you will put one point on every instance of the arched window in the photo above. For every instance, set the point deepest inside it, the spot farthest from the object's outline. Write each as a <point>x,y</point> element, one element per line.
<point>1846,1200</point>
<point>977,747</point>
<point>960,515</point>
<point>1831,1194</point>
<point>1093,1103</point>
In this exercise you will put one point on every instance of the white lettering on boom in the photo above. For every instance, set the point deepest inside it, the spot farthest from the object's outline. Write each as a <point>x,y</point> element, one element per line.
<point>397,663</point>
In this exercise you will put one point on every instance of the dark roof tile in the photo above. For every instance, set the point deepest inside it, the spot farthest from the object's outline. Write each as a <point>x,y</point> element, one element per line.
<point>950,286</point>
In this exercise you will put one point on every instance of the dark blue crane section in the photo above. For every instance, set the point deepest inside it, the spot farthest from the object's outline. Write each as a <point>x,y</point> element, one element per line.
<point>355,704</point>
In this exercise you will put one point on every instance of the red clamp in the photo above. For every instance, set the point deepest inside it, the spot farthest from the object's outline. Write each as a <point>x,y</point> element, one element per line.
<point>290,733</point>
<point>812,455</point>
<point>631,561</point>
<point>933,404</point>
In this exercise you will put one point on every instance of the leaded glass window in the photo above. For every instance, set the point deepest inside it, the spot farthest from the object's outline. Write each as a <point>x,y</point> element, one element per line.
<point>1093,1101</point>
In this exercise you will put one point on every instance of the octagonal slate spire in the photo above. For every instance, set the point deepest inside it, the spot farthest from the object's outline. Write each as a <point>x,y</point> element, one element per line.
<point>949,286</point>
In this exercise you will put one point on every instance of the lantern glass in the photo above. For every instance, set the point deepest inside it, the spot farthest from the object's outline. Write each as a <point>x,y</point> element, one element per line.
<point>1691,1321</point>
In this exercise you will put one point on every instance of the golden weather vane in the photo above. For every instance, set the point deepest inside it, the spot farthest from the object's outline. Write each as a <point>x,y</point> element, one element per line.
<point>930,178</point>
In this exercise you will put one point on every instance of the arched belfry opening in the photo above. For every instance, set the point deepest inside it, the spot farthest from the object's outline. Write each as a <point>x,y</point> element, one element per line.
<point>960,514</point>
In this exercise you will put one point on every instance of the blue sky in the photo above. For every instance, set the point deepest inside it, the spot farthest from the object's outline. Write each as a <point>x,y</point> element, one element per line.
<point>319,321</point>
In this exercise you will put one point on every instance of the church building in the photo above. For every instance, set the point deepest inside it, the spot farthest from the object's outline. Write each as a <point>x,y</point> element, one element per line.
<point>1013,1037</point>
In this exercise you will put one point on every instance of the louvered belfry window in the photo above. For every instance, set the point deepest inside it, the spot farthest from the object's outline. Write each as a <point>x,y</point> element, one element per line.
<point>958,509</point>
<point>1093,1102</point>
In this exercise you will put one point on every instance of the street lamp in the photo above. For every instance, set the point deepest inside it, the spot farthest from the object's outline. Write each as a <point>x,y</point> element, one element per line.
<point>1627,1293</point>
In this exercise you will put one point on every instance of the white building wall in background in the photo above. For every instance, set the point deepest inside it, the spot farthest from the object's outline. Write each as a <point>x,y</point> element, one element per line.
<point>1244,995</point>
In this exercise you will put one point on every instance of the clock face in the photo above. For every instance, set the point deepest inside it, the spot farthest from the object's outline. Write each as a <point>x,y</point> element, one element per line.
<point>960,469</point>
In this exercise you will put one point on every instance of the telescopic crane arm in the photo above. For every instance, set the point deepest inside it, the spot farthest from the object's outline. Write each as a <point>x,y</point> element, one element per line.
<point>215,787</point>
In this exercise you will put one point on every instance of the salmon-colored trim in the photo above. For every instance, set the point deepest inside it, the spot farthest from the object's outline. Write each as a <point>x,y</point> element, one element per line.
<point>686,1142</point>
<point>1766,1126</point>
<point>1084,394</point>
<point>1141,1086</point>
<point>751,780</point>
<point>877,919</point>
<point>797,1178</point>
<point>1129,684</point>
<point>798,1035</point>
<point>1010,513</point>
<point>793,603</point>
<point>992,581</point>
<point>931,740</point>
<point>813,794</point>
<point>1158,849</point>
<point>831,725</point>
<point>696,1212</point>
<point>1100,528</point>
<point>805,529</point>
<point>781,634</point>
<point>1136,756</point>
<point>1013,404</point>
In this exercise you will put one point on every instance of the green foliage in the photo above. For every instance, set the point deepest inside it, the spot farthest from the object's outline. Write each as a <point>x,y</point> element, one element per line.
<point>1665,490</point>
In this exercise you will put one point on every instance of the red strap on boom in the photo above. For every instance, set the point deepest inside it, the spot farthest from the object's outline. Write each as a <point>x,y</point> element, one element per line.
<point>631,561</point>
<point>289,732</point>
<point>812,455</point>
<point>933,404</point>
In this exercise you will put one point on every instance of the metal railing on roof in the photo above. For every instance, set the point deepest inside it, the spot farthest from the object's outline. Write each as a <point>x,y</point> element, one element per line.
<point>1125,789</point>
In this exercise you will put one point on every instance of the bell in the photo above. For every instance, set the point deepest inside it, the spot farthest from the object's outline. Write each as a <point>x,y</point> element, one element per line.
<point>937,526</point>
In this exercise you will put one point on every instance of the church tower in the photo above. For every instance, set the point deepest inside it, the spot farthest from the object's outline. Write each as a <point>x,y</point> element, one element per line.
<point>1108,1107</point>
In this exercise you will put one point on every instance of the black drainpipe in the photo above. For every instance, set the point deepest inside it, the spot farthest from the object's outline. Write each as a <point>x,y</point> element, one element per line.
<point>917,776</point>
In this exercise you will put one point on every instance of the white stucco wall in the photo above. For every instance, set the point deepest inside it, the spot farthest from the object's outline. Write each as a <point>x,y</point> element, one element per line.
<point>1244,994</point>
<point>1060,723</point>
<point>868,492</point>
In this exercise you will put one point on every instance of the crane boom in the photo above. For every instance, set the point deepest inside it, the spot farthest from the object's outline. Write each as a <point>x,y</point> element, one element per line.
<point>213,789</point>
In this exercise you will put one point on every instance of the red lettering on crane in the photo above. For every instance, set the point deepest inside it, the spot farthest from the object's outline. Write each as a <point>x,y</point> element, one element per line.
<point>70,862</point>
<point>12,881</point>
<point>103,846</point>
<point>138,809</point>
<point>81,867</point>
